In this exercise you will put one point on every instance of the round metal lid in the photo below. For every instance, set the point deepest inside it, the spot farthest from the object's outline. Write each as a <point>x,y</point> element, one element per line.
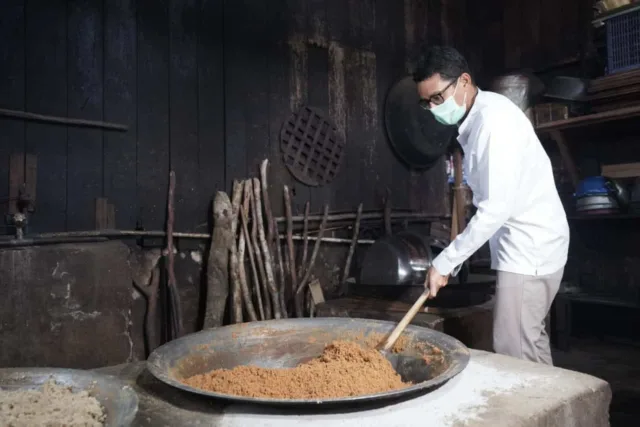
<point>415,135</point>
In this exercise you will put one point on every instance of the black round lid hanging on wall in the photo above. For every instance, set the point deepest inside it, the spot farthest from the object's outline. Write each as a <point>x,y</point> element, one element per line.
<point>415,135</point>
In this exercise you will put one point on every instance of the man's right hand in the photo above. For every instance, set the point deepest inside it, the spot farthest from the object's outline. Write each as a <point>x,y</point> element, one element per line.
<point>435,281</point>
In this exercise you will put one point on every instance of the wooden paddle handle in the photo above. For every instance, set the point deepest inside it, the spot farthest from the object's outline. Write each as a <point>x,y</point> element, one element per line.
<point>405,321</point>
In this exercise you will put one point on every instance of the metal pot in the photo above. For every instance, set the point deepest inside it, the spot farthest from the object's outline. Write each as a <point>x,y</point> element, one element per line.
<point>401,259</point>
<point>522,88</point>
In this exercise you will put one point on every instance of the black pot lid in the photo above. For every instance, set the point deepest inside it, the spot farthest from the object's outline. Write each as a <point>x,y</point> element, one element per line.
<point>415,135</point>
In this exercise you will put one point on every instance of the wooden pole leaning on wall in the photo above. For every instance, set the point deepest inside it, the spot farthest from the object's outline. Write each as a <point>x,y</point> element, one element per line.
<point>236,287</point>
<point>68,121</point>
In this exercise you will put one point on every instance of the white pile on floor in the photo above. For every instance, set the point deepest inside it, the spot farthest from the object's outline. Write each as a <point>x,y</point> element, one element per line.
<point>51,405</point>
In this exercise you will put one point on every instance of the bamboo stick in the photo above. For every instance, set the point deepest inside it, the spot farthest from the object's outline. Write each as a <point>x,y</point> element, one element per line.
<point>354,241</point>
<point>236,288</point>
<point>291,251</point>
<point>305,239</point>
<point>258,256</point>
<point>316,248</point>
<point>266,254</point>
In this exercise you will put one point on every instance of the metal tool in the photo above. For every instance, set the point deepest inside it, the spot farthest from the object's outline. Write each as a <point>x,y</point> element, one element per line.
<point>285,343</point>
<point>120,401</point>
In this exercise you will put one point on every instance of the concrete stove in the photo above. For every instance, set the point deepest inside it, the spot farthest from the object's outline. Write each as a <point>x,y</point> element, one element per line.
<point>493,391</point>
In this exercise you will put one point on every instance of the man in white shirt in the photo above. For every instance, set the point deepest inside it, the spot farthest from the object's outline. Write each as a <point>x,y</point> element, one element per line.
<point>518,208</point>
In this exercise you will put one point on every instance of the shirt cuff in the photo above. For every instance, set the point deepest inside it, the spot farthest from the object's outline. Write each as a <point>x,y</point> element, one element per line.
<point>443,266</point>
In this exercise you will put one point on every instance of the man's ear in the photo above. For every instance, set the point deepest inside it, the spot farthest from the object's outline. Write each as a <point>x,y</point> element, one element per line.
<point>465,78</point>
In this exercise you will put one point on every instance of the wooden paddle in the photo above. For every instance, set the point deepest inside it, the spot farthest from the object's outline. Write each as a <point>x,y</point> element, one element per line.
<point>395,334</point>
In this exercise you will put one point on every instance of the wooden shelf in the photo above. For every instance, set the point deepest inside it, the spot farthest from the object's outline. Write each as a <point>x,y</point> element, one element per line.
<point>598,20</point>
<point>584,297</point>
<point>590,119</point>
<point>595,217</point>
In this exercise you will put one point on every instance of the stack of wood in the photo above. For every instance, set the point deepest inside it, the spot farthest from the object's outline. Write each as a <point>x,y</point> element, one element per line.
<point>250,268</point>
<point>615,91</point>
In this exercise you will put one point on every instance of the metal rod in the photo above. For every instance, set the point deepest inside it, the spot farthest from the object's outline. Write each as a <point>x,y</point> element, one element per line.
<point>365,216</point>
<point>25,115</point>
<point>207,236</point>
<point>15,243</point>
<point>330,239</point>
<point>117,233</point>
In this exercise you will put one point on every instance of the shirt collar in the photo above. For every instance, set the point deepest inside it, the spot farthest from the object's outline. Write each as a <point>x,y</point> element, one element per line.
<point>463,127</point>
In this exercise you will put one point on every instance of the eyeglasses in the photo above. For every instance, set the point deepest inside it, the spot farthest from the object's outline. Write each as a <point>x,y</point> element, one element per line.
<point>436,98</point>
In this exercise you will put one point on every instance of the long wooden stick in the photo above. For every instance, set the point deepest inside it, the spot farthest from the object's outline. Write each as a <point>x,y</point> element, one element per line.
<point>266,254</point>
<point>305,239</point>
<point>25,115</point>
<point>387,213</point>
<point>256,248</point>
<point>316,248</point>
<point>234,274</point>
<point>288,291</point>
<point>267,203</point>
<point>252,261</point>
<point>460,204</point>
<point>283,279</point>
<point>415,308</point>
<point>290,247</point>
<point>352,247</point>
<point>218,262</point>
<point>172,283</point>
<point>242,271</point>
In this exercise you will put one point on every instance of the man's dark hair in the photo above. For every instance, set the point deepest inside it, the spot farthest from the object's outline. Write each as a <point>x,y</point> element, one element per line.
<point>443,60</point>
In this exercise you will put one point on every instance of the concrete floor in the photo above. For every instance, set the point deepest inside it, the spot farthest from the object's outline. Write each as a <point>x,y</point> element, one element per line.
<point>618,364</point>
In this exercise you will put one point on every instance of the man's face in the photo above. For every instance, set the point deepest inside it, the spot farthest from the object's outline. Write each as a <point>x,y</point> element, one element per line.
<point>435,90</point>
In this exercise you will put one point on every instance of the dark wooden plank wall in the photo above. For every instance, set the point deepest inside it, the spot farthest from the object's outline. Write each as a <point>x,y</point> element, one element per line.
<point>204,86</point>
<point>536,34</point>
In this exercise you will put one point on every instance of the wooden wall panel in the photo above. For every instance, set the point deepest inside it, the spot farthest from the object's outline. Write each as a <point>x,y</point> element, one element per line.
<point>236,69</point>
<point>318,78</point>
<point>204,87</point>
<point>84,100</point>
<point>277,74</point>
<point>120,101</point>
<point>255,94</point>
<point>183,109</point>
<point>211,154</point>
<point>536,34</point>
<point>46,93</point>
<point>153,112</point>
<point>12,80</point>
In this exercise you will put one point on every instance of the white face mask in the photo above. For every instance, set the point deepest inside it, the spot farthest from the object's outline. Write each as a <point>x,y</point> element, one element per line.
<point>449,112</point>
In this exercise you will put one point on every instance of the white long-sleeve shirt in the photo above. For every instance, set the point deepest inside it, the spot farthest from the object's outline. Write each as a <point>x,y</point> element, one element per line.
<point>519,210</point>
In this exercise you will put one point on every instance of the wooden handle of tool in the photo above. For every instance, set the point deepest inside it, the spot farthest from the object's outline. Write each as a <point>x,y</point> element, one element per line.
<point>405,321</point>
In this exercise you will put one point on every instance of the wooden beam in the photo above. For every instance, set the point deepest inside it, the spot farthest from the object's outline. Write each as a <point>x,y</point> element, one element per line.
<point>16,180</point>
<point>25,115</point>
<point>590,119</point>
<point>566,157</point>
<point>101,213</point>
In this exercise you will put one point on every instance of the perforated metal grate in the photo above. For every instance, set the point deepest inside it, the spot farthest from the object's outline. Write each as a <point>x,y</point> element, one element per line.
<point>311,147</point>
<point>623,42</point>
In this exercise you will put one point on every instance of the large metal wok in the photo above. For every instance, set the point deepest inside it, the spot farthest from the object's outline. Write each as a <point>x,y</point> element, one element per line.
<point>120,401</point>
<point>288,342</point>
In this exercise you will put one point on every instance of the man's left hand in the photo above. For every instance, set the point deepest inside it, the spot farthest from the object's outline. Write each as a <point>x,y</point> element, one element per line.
<point>435,281</point>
